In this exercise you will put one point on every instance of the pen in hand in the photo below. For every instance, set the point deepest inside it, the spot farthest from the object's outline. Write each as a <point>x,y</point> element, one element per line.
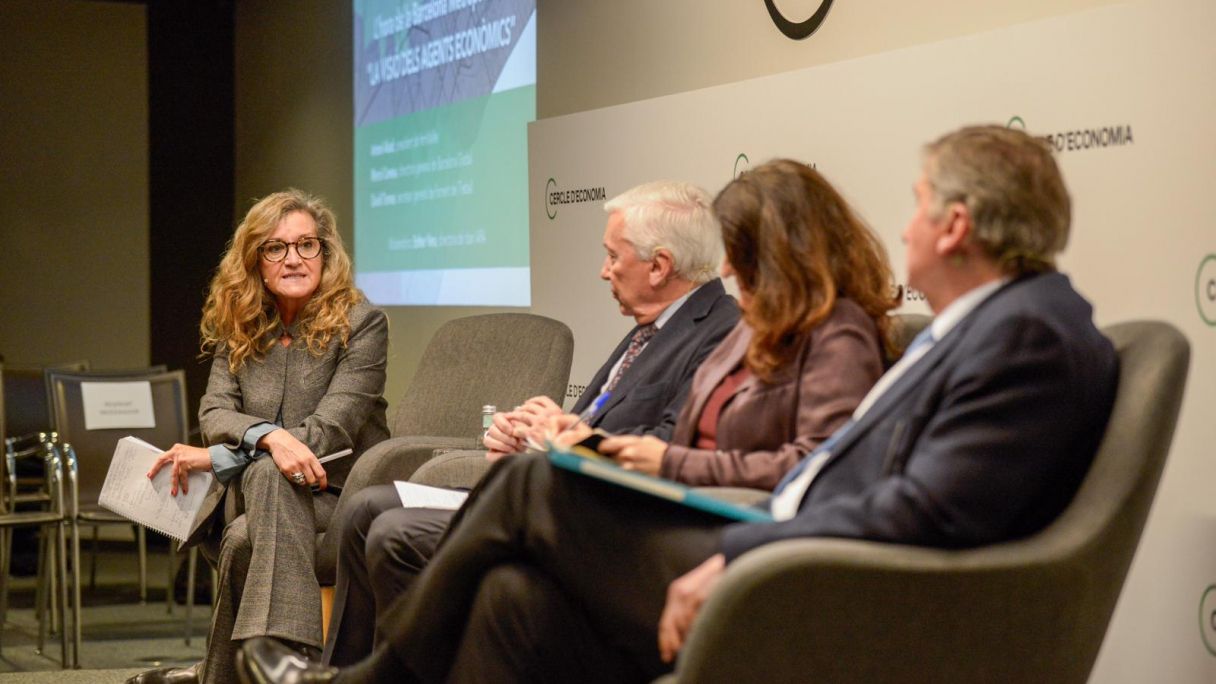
<point>585,417</point>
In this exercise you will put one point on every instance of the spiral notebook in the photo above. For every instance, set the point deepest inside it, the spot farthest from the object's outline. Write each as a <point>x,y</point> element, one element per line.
<point>128,492</point>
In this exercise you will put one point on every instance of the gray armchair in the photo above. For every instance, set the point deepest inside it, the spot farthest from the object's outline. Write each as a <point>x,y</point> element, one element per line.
<point>87,455</point>
<point>1032,610</point>
<point>460,468</point>
<point>500,359</point>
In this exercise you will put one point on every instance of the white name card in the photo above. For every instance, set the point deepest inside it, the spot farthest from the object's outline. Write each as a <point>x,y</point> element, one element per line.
<point>423,496</point>
<point>109,405</point>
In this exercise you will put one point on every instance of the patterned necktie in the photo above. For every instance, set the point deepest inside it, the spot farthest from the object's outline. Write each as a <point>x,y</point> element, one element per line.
<point>640,338</point>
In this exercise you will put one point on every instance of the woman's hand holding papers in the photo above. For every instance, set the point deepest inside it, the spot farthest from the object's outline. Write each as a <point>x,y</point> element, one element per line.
<point>183,459</point>
<point>643,454</point>
<point>684,599</point>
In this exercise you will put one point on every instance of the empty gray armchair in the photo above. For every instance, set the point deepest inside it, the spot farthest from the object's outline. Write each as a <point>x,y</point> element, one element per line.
<point>500,359</point>
<point>1032,610</point>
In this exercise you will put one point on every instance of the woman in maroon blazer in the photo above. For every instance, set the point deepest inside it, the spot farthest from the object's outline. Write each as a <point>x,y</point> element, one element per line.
<point>815,289</point>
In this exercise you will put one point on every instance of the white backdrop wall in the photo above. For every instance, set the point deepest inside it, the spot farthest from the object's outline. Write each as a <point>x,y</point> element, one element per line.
<point>1125,93</point>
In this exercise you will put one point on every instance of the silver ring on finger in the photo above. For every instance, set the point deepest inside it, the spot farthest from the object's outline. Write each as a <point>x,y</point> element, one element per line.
<point>298,478</point>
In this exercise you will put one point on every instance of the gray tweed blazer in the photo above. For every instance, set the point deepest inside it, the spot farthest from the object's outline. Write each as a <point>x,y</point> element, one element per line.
<point>331,402</point>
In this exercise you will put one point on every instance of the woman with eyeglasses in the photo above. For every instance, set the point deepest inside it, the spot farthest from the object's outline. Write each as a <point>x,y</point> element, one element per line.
<point>297,373</point>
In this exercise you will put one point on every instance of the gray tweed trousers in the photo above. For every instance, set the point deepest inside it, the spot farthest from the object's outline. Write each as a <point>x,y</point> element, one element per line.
<point>267,584</point>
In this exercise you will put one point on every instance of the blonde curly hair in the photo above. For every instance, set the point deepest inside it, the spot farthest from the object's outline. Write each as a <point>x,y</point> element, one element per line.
<point>241,315</point>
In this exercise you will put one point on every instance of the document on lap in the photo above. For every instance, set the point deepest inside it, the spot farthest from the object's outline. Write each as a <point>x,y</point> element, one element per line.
<point>422,496</point>
<point>128,492</point>
<point>584,461</point>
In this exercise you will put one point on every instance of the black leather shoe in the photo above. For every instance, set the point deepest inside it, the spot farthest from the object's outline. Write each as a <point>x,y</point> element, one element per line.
<point>167,675</point>
<point>265,660</point>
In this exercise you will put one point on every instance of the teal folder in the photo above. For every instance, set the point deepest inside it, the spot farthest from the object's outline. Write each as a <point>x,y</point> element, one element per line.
<point>602,469</point>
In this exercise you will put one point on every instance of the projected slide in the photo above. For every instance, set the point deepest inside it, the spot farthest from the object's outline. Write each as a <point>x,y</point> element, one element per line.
<point>444,90</point>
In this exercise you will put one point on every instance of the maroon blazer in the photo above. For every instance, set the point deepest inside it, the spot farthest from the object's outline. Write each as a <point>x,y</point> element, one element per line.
<point>766,428</point>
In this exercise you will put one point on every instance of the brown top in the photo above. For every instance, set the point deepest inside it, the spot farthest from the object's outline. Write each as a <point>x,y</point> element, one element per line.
<point>707,426</point>
<point>766,428</point>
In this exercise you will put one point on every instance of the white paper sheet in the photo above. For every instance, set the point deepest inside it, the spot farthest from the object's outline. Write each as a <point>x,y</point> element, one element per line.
<point>421,496</point>
<point>128,491</point>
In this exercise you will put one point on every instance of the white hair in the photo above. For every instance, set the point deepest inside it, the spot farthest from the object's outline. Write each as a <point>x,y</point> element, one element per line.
<point>674,216</point>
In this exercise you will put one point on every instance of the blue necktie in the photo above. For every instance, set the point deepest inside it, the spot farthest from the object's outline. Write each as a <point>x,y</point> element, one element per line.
<point>925,337</point>
<point>824,446</point>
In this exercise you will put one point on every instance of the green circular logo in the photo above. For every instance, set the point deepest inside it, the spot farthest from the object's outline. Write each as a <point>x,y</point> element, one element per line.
<point>1205,289</point>
<point>1207,619</point>
<point>1016,122</point>
<point>550,210</point>
<point>746,163</point>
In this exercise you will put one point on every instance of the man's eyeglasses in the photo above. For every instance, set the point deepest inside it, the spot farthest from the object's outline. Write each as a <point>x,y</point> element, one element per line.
<point>306,248</point>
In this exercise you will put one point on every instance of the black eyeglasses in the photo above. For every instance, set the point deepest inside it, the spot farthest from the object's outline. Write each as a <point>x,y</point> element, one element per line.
<point>307,247</point>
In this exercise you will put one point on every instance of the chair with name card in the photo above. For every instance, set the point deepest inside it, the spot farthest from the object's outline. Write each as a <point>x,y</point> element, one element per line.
<point>27,413</point>
<point>92,411</point>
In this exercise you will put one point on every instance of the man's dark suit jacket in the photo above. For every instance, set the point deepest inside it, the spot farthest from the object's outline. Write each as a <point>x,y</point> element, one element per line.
<point>649,395</point>
<point>985,439</point>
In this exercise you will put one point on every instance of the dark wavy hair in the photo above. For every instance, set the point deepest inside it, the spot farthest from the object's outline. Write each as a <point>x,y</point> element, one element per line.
<point>796,246</point>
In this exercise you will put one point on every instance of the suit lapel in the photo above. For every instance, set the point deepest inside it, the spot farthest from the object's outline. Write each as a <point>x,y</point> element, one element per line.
<point>649,362</point>
<point>646,362</point>
<point>895,395</point>
<point>716,372</point>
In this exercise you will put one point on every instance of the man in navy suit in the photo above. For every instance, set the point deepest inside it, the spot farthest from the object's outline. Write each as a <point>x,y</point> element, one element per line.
<point>662,248</point>
<point>980,434</point>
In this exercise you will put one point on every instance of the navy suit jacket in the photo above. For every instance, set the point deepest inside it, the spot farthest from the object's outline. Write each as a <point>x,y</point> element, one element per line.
<point>984,439</point>
<point>648,397</point>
